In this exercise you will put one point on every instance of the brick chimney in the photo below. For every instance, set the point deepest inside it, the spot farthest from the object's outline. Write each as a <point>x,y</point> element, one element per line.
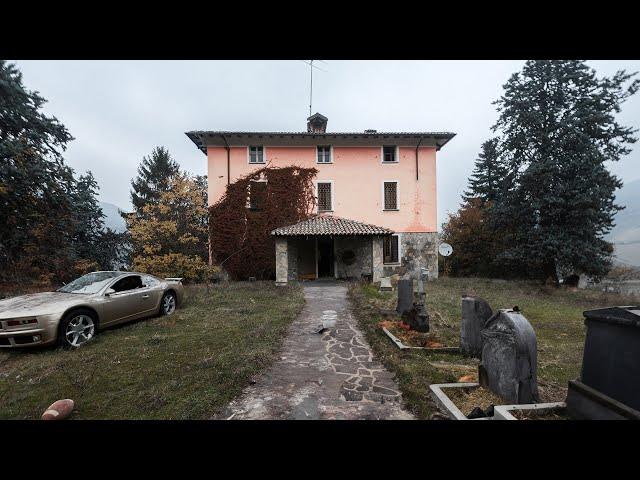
<point>317,123</point>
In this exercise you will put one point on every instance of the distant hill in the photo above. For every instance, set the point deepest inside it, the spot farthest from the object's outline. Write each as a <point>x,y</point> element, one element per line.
<point>112,218</point>
<point>626,233</point>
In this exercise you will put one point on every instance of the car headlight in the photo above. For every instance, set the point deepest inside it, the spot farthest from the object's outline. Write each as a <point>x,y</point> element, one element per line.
<point>21,321</point>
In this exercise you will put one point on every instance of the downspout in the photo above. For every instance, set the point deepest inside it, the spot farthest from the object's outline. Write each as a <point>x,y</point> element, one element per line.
<point>228,158</point>
<point>417,147</point>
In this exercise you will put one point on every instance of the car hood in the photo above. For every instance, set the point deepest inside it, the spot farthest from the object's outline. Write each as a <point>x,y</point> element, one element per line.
<point>39,304</point>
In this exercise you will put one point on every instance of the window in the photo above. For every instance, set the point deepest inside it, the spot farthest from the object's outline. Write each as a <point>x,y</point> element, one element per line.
<point>389,154</point>
<point>149,281</point>
<point>257,195</point>
<point>390,250</point>
<point>256,154</point>
<point>390,192</point>
<point>324,154</point>
<point>128,283</point>
<point>324,197</point>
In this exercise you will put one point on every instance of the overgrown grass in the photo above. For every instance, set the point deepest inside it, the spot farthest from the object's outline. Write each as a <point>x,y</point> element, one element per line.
<point>555,314</point>
<point>185,366</point>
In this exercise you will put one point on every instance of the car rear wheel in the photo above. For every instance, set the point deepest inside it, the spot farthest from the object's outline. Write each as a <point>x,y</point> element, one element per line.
<point>168,304</point>
<point>77,328</point>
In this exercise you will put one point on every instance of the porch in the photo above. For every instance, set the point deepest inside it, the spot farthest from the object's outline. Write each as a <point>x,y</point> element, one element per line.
<point>329,247</point>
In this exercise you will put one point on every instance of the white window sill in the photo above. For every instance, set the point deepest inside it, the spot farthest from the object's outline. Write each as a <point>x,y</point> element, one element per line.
<point>257,163</point>
<point>390,209</point>
<point>392,264</point>
<point>324,163</point>
<point>385,163</point>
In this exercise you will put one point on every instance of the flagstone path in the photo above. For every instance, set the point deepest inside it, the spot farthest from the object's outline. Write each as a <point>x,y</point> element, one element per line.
<point>328,375</point>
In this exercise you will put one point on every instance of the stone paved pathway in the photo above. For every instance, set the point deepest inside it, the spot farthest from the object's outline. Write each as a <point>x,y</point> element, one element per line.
<point>332,375</point>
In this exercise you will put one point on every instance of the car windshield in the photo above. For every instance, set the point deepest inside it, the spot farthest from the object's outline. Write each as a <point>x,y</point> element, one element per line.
<point>90,283</point>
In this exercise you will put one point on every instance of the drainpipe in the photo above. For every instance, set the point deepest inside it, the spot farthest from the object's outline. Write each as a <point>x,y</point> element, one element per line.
<point>228,159</point>
<point>417,147</point>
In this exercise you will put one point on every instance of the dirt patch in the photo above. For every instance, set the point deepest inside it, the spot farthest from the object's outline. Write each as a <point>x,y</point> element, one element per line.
<point>413,338</point>
<point>555,414</point>
<point>466,399</point>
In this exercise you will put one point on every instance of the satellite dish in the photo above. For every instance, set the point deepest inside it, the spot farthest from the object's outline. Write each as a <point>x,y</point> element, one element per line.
<point>445,249</point>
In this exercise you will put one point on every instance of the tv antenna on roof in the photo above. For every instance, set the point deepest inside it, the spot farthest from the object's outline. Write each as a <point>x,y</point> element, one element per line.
<point>312,66</point>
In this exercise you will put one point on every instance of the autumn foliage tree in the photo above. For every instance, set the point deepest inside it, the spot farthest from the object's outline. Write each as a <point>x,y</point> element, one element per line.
<point>169,235</point>
<point>240,223</point>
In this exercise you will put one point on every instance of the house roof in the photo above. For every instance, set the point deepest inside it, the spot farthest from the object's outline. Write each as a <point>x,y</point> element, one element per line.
<point>330,225</point>
<point>210,138</point>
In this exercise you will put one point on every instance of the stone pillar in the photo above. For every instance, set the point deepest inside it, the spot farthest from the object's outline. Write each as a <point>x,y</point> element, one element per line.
<point>377,258</point>
<point>282,261</point>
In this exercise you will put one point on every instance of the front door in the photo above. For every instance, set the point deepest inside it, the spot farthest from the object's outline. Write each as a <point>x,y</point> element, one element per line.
<point>325,257</point>
<point>130,299</point>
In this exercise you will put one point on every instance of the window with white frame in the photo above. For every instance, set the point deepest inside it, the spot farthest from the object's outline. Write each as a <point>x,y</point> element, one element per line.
<point>325,203</point>
<point>389,154</point>
<point>390,194</point>
<point>324,154</point>
<point>256,154</point>
<point>391,249</point>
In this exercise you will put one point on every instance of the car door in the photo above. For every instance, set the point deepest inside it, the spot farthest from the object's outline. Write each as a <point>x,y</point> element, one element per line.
<point>154,291</point>
<point>127,301</point>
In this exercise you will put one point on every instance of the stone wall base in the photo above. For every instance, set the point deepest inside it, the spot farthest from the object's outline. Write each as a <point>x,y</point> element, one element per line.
<point>417,250</point>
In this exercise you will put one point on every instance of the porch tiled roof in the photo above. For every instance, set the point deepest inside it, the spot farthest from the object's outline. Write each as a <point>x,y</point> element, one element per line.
<point>330,225</point>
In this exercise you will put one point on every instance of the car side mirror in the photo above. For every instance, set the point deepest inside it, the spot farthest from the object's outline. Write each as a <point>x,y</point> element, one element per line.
<point>109,292</point>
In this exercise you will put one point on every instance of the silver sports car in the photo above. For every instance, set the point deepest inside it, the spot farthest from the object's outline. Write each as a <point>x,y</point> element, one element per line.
<point>73,314</point>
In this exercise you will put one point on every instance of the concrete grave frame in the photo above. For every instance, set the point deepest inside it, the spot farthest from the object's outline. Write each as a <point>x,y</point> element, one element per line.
<point>402,346</point>
<point>447,406</point>
<point>503,412</point>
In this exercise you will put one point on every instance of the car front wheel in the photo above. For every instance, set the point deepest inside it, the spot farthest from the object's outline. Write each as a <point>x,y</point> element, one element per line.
<point>168,304</point>
<point>77,328</point>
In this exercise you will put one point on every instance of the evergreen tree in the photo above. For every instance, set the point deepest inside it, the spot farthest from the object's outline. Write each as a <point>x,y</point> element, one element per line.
<point>88,218</point>
<point>35,184</point>
<point>486,181</point>
<point>558,130</point>
<point>154,174</point>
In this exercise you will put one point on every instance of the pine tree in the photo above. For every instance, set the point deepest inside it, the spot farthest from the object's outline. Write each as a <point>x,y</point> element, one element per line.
<point>153,177</point>
<point>558,130</point>
<point>488,175</point>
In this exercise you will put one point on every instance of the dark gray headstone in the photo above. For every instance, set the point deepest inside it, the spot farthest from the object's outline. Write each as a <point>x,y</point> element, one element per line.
<point>417,318</point>
<point>475,313</point>
<point>405,296</point>
<point>509,358</point>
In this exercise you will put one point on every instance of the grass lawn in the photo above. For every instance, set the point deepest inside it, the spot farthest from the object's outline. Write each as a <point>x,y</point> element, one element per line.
<point>555,314</point>
<point>185,366</point>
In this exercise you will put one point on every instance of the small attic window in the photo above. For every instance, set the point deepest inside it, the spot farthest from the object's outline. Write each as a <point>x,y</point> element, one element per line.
<point>256,154</point>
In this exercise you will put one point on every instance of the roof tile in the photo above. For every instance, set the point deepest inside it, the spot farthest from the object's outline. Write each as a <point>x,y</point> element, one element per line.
<point>330,225</point>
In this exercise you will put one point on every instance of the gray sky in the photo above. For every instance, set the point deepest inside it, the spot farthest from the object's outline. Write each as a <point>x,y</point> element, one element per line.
<point>119,110</point>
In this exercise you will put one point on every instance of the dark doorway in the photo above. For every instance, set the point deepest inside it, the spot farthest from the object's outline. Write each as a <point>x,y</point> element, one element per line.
<point>325,257</point>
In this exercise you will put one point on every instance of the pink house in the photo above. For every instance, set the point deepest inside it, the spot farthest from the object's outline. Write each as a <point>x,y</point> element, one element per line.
<point>376,197</point>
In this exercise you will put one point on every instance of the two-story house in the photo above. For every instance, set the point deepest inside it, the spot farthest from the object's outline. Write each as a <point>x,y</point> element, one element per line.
<point>376,197</point>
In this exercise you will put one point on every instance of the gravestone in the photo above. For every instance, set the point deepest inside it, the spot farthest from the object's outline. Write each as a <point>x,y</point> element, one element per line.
<point>405,296</point>
<point>475,313</point>
<point>385,284</point>
<point>509,363</point>
<point>417,318</point>
<point>609,385</point>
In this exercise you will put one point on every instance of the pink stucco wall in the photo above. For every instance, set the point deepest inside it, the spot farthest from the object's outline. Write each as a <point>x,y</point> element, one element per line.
<point>357,174</point>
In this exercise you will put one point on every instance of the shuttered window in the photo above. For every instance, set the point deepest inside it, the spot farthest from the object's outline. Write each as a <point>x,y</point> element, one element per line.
<point>324,197</point>
<point>257,195</point>
<point>256,154</point>
<point>390,249</point>
<point>391,195</point>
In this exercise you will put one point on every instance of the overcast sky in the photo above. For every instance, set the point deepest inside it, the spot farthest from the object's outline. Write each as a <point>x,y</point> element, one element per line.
<point>119,110</point>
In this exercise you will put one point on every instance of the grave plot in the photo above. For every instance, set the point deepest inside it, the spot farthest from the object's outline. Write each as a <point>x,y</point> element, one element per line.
<point>507,370</point>
<point>410,326</point>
